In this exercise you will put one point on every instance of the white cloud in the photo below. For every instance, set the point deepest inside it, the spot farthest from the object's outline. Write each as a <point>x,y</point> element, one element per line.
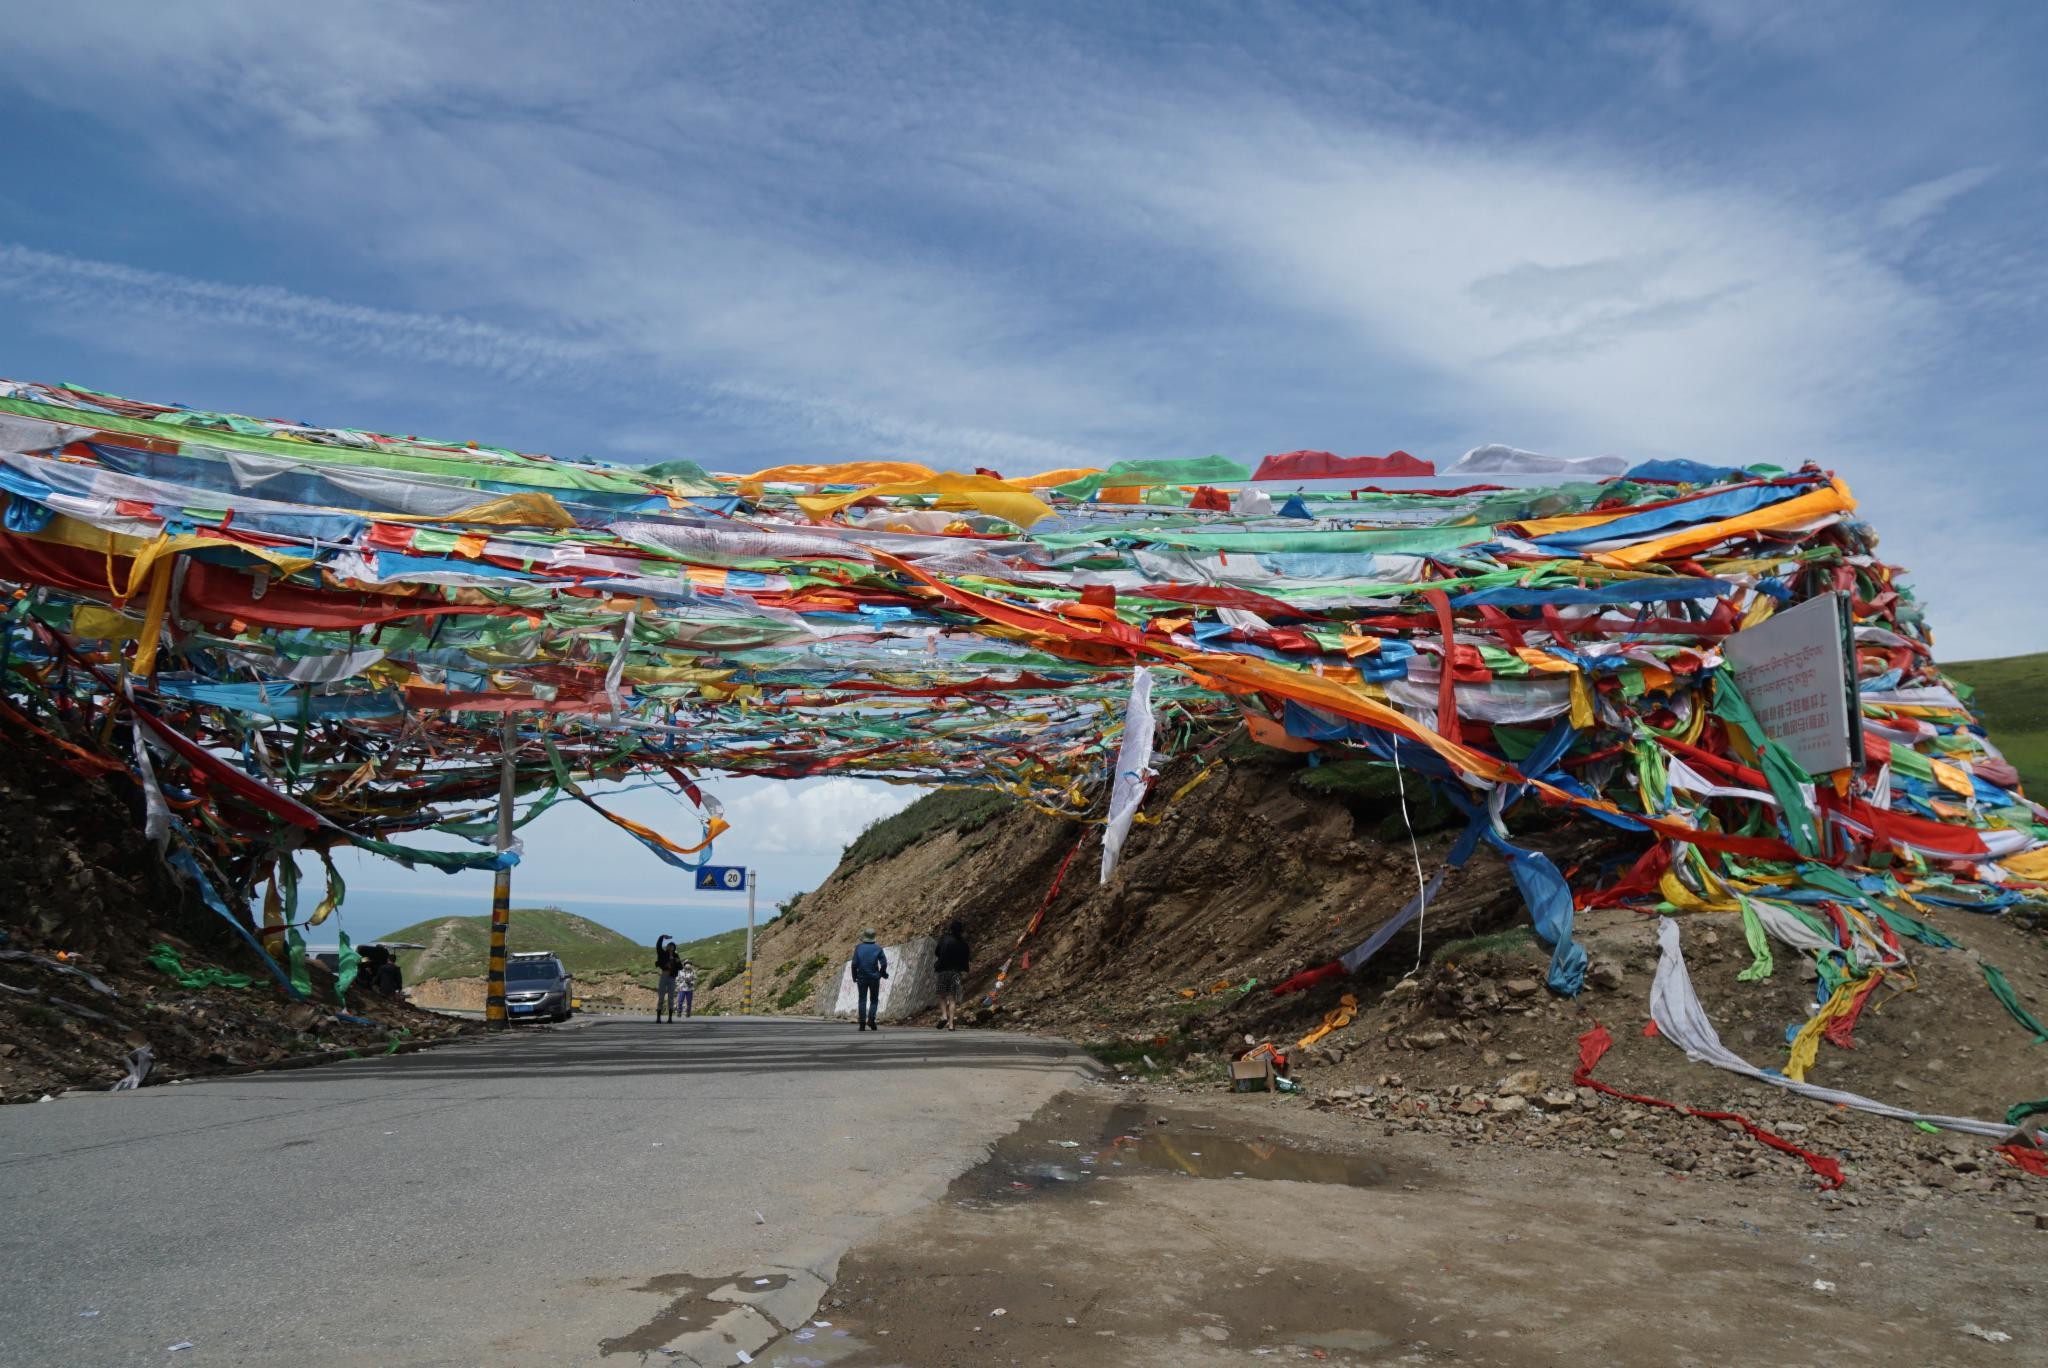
<point>1556,299</point>
<point>817,817</point>
<point>1917,203</point>
<point>850,237</point>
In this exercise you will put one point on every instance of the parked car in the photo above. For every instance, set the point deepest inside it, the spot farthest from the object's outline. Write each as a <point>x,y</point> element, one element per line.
<point>538,987</point>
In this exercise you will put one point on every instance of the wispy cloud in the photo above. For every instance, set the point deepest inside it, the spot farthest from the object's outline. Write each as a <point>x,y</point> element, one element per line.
<point>1917,203</point>
<point>100,289</point>
<point>1722,228</point>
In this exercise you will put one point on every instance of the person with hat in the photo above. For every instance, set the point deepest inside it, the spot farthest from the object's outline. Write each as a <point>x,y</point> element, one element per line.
<point>686,990</point>
<point>870,967</point>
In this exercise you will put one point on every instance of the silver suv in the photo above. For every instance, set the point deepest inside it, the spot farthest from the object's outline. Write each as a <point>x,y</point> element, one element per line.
<point>538,988</point>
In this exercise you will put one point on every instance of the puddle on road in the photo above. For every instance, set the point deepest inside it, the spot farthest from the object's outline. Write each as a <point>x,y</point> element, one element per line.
<point>817,1344</point>
<point>687,1309</point>
<point>690,1306</point>
<point>1071,1152</point>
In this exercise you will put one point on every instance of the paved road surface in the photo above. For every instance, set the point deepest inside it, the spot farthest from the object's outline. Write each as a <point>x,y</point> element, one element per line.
<point>497,1202</point>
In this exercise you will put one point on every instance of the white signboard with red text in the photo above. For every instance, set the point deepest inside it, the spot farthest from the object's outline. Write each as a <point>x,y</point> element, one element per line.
<point>1795,670</point>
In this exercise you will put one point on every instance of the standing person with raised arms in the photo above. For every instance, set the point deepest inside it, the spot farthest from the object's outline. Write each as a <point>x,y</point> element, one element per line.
<point>667,963</point>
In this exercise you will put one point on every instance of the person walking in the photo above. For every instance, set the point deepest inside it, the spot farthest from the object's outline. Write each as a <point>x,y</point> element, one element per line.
<point>667,964</point>
<point>870,967</point>
<point>950,960</point>
<point>686,990</point>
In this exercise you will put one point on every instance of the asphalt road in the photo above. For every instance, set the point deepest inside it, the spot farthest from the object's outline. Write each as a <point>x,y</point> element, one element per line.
<point>516,1200</point>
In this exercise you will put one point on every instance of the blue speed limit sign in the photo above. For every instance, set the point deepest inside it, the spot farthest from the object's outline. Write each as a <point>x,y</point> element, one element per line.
<point>722,878</point>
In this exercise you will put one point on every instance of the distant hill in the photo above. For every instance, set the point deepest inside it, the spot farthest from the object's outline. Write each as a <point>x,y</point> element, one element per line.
<point>459,947</point>
<point>2012,698</point>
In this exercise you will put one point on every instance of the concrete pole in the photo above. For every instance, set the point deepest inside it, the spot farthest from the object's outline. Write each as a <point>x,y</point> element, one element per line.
<point>748,996</point>
<point>501,881</point>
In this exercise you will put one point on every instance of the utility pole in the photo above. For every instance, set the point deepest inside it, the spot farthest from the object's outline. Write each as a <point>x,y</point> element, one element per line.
<point>501,881</point>
<point>753,876</point>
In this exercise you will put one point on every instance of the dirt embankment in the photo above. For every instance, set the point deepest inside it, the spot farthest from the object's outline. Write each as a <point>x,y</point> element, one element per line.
<point>1253,876</point>
<point>84,897</point>
<point>1250,875</point>
<point>621,992</point>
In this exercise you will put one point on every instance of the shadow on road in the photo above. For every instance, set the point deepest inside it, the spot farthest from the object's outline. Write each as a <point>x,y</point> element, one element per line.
<point>701,1048</point>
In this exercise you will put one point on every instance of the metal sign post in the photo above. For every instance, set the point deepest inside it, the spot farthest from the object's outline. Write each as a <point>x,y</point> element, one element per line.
<point>501,881</point>
<point>748,995</point>
<point>731,879</point>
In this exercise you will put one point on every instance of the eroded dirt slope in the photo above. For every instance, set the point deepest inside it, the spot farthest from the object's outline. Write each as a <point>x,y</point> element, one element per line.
<point>84,897</point>
<point>1253,877</point>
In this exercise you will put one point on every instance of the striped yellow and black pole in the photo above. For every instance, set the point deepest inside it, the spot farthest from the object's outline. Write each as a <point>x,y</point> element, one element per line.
<point>501,882</point>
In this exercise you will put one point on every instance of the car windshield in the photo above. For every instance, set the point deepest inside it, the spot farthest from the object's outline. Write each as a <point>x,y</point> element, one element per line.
<point>527,971</point>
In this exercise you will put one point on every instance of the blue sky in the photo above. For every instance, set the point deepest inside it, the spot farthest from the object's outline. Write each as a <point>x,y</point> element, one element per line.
<point>1058,234</point>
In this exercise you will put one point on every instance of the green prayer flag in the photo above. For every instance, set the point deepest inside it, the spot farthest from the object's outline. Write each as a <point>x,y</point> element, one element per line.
<point>301,980</point>
<point>2010,1000</point>
<point>346,966</point>
<point>1761,964</point>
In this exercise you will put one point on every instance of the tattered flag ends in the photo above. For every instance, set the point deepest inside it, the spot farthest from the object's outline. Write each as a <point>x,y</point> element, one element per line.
<point>296,637</point>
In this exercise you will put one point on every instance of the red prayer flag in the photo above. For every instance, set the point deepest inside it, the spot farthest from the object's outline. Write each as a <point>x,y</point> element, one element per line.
<point>1326,465</point>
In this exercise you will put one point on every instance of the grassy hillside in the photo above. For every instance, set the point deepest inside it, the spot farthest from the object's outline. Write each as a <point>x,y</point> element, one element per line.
<point>2012,698</point>
<point>458,947</point>
<point>956,809</point>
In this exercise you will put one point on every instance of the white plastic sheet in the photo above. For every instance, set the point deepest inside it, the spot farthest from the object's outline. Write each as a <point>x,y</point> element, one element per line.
<point>1682,1020</point>
<point>1495,459</point>
<point>1133,770</point>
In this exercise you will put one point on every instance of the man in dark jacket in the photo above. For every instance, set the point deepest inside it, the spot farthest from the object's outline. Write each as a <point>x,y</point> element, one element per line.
<point>950,960</point>
<point>870,967</point>
<point>667,963</point>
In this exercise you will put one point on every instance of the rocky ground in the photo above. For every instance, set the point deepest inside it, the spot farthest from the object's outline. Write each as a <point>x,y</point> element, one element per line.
<point>1134,1224</point>
<point>76,1022</point>
<point>84,898</point>
<point>1165,972</point>
<point>1474,1049</point>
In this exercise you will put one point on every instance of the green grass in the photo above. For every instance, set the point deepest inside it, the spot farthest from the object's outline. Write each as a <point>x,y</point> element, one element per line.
<point>2012,699</point>
<point>938,811</point>
<point>1128,1056</point>
<point>800,987</point>
<point>459,947</point>
<point>1365,781</point>
<point>1516,940</point>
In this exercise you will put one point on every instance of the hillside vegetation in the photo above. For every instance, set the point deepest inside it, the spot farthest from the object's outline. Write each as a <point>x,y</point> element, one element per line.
<point>946,809</point>
<point>459,947</point>
<point>2012,698</point>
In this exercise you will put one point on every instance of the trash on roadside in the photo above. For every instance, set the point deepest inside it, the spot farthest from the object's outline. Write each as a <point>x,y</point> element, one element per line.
<point>174,1348</point>
<point>1977,1331</point>
<point>1252,1074</point>
<point>1068,1144</point>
